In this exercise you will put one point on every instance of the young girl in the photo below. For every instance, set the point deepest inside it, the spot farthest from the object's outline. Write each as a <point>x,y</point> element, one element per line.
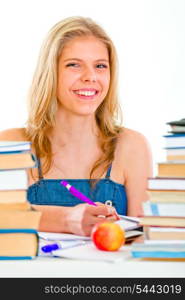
<point>72,124</point>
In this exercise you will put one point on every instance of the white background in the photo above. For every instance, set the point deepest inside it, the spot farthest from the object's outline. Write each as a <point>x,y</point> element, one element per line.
<point>150,39</point>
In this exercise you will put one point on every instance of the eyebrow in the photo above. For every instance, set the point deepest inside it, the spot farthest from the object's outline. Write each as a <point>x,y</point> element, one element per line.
<point>78,59</point>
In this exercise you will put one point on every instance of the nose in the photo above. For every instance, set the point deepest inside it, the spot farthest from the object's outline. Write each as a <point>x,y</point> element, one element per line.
<point>89,75</point>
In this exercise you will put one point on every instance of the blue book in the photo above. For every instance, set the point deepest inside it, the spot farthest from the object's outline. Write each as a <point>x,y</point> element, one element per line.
<point>168,208</point>
<point>174,148</point>
<point>14,146</point>
<point>174,135</point>
<point>18,244</point>
<point>157,254</point>
<point>158,249</point>
<point>175,140</point>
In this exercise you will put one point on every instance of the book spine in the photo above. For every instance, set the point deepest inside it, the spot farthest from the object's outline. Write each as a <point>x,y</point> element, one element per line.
<point>14,152</point>
<point>16,257</point>
<point>158,254</point>
<point>17,230</point>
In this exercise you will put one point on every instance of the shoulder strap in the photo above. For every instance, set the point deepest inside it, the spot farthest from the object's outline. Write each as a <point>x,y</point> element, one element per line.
<point>108,172</point>
<point>40,169</point>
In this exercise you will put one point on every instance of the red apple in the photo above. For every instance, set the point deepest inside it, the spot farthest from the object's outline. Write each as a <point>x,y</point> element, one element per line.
<point>108,236</point>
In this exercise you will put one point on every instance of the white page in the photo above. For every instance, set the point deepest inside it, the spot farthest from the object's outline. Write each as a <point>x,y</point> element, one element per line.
<point>128,224</point>
<point>90,252</point>
<point>52,236</point>
<point>13,179</point>
<point>6,146</point>
<point>132,219</point>
<point>164,229</point>
<point>164,242</point>
<point>132,233</point>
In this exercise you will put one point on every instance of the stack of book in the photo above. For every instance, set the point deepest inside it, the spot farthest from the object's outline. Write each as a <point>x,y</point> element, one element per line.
<point>175,150</point>
<point>164,212</point>
<point>18,221</point>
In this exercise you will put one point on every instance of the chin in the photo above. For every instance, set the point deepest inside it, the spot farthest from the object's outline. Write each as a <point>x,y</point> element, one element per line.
<point>85,113</point>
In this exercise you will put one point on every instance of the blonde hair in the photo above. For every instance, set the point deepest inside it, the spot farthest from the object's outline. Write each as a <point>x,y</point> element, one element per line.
<point>42,95</point>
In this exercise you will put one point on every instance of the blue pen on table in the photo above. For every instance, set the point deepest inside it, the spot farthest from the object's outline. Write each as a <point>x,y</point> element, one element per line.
<point>77,193</point>
<point>59,246</point>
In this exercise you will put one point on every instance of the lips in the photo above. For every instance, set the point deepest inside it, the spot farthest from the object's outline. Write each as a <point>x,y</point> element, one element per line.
<point>86,93</point>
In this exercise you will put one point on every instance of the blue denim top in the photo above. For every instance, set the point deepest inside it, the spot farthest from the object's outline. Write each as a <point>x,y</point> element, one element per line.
<point>51,192</point>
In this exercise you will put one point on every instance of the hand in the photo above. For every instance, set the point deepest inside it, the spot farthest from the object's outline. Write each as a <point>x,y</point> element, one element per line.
<point>81,218</point>
<point>112,213</point>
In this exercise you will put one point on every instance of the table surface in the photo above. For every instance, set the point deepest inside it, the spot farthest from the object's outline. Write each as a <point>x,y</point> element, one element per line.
<point>47,267</point>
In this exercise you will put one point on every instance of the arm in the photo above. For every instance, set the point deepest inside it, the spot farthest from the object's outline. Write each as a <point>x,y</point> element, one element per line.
<point>78,219</point>
<point>137,167</point>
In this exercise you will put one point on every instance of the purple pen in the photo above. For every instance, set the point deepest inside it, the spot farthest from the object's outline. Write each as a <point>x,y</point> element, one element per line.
<point>77,193</point>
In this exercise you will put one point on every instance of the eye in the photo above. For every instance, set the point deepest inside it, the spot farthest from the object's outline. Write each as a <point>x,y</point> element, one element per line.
<point>72,65</point>
<point>101,66</point>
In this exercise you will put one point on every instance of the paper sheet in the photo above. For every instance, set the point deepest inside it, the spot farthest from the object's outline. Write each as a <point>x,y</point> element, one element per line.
<point>87,251</point>
<point>90,252</point>
<point>52,236</point>
<point>128,223</point>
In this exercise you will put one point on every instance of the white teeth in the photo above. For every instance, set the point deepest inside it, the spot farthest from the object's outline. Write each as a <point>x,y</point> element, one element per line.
<point>86,93</point>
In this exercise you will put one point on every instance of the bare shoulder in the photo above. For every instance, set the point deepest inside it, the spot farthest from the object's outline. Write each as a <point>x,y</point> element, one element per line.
<point>130,140</point>
<point>13,134</point>
<point>133,149</point>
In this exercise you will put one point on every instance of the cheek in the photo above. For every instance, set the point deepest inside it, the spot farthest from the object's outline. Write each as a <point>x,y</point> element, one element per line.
<point>66,82</point>
<point>106,83</point>
<point>63,86</point>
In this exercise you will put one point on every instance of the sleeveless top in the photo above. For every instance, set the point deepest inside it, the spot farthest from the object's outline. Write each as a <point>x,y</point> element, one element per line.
<point>51,192</point>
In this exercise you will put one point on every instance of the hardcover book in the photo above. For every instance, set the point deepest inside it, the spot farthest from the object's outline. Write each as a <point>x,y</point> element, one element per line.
<point>14,146</point>
<point>13,179</point>
<point>175,154</point>
<point>13,196</point>
<point>21,160</point>
<point>164,209</point>
<point>166,183</point>
<point>180,122</point>
<point>173,169</point>
<point>19,219</point>
<point>164,233</point>
<point>18,243</point>
<point>166,196</point>
<point>162,221</point>
<point>175,140</point>
<point>158,250</point>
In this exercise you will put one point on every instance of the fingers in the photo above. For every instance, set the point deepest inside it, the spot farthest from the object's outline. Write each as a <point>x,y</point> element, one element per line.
<point>116,215</point>
<point>88,224</point>
<point>87,228</point>
<point>92,220</point>
<point>102,209</point>
<point>113,212</point>
<point>84,217</point>
<point>111,219</point>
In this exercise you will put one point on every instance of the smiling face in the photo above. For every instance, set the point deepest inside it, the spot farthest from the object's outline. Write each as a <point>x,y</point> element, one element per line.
<point>83,75</point>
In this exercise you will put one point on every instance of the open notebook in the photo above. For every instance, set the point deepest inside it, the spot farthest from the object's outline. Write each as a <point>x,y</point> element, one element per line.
<point>128,223</point>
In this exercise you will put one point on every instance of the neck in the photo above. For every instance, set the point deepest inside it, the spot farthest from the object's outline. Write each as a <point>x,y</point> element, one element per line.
<point>74,130</point>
